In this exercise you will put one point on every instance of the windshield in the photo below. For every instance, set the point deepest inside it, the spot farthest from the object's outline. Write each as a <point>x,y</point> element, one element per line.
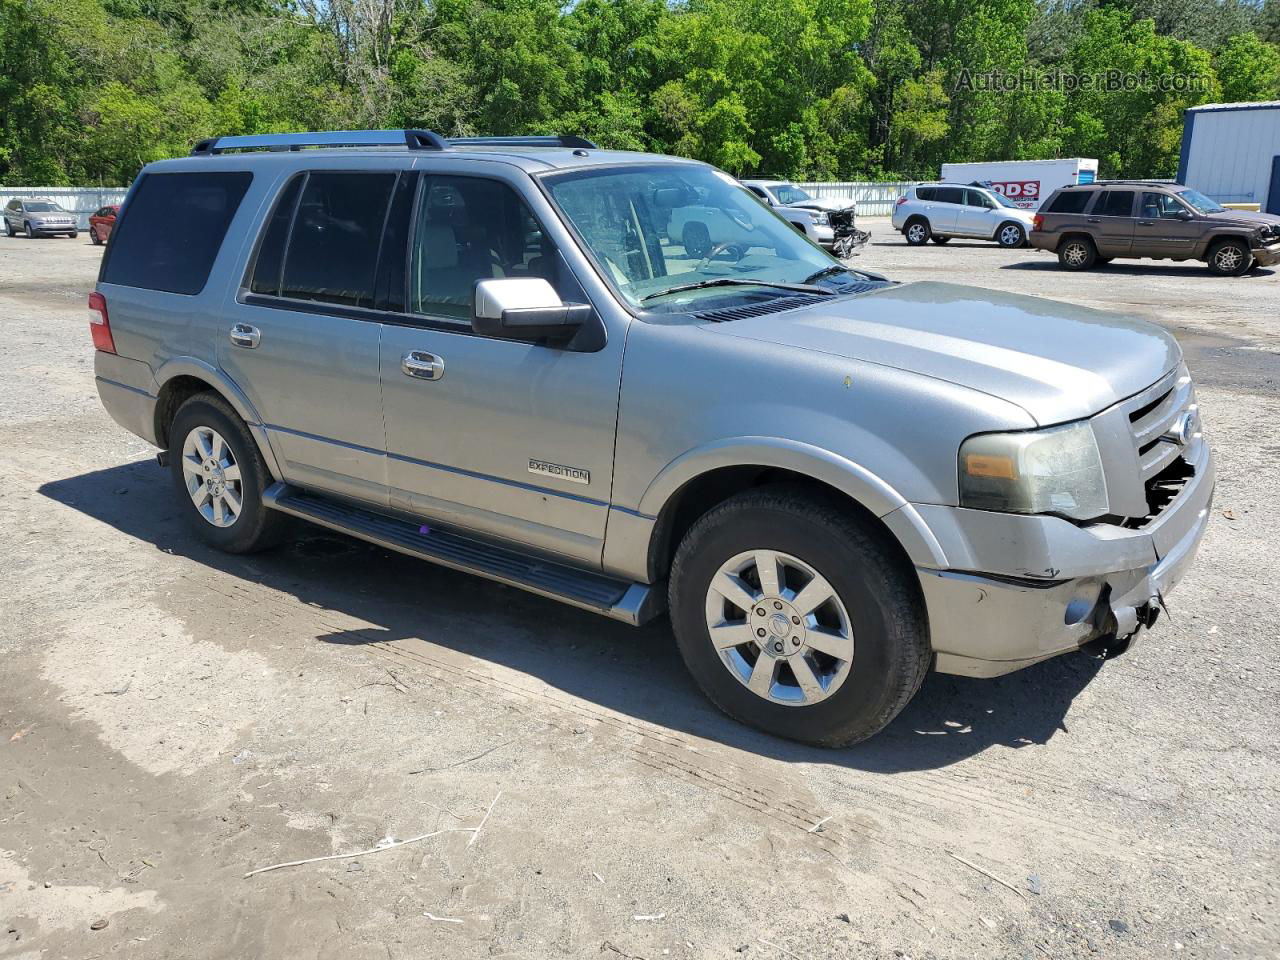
<point>43,206</point>
<point>1001,199</point>
<point>655,227</point>
<point>1200,202</point>
<point>790,193</point>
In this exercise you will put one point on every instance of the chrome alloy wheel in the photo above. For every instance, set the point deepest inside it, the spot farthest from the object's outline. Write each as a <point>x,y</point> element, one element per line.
<point>212,476</point>
<point>1075,254</point>
<point>916,233</point>
<point>1228,258</point>
<point>1010,236</point>
<point>779,627</point>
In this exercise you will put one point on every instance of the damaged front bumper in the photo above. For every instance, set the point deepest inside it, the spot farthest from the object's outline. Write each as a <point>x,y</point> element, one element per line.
<point>1099,587</point>
<point>1267,256</point>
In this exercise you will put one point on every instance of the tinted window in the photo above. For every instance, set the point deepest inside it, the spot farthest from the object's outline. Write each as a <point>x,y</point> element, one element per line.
<point>758,192</point>
<point>924,193</point>
<point>173,230</point>
<point>1114,203</point>
<point>977,199</point>
<point>1070,201</point>
<point>470,229</point>
<point>333,246</point>
<point>389,288</point>
<point>949,195</point>
<point>266,267</point>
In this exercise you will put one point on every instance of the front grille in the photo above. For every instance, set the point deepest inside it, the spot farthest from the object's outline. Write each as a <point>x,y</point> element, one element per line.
<point>842,221</point>
<point>1162,490</point>
<point>1152,413</point>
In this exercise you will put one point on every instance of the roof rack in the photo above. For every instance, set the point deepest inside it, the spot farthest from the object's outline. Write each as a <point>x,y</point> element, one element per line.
<point>409,139</point>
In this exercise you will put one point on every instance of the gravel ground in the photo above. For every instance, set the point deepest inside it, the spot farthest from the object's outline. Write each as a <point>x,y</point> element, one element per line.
<point>172,718</point>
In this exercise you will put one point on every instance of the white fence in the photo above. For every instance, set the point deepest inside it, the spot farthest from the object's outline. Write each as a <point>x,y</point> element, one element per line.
<point>82,201</point>
<point>873,199</point>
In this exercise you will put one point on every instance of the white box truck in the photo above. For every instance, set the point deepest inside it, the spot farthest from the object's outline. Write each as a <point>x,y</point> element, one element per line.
<point>1025,182</point>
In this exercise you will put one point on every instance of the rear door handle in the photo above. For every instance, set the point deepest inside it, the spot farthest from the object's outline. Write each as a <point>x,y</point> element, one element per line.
<point>1093,220</point>
<point>244,335</point>
<point>1146,223</point>
<point>423,365</point>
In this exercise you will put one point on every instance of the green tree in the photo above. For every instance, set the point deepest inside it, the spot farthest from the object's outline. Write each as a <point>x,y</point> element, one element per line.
<point>1249,69</point>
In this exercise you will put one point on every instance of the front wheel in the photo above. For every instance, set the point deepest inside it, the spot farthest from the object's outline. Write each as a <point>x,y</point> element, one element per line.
<point>95,237</point>
<point>917,232</point>
<point>939,240</point>
<point>798,617</point>
<point>219,476</point>
<point>73,234</point>
<point>1230,258</point>
<point>31,234</point>
<point>1011,235</point>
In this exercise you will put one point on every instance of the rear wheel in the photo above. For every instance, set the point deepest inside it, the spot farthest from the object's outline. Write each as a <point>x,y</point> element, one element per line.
<point>1011,235</point>
<point>918,232</point>
<point>1230,258</point>
<point>95,237</point>
<point>8,229</point>
<point>219,476</point>
<point>1077,253</point>
<point>798,617</point>
<point>939,240</point>
<point>696,239</point>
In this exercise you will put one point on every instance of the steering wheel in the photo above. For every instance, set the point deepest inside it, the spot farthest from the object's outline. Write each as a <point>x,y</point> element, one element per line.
<point>711,254</point>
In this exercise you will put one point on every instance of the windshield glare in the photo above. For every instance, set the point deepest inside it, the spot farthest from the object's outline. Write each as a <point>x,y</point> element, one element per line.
<point>1200,202</point>
<point>1001,199</point>
<point>40,206</point>
<point>655,227</point>
<point>790,193</point>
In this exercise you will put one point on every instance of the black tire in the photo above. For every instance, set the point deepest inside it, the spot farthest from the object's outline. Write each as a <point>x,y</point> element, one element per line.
<point>1011,235</point>
<point>256,527</point>
<point>93,235</point>
<point>696,239</point>
<point>869,574</point>
<point>31,234</point>
<point>73,234</point>
<point>917,231</point>
<point>1230,258</point>
<point>1077,253</point>
<point>939,240</point>
<point>8,229</point>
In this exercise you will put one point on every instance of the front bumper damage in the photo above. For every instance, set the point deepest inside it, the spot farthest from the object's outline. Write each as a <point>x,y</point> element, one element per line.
<point>1267,256</point>
<point>846,239</point>
<point>1098,586</point>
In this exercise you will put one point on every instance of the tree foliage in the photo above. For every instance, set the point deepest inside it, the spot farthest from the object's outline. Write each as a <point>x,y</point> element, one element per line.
<point>90,90</point>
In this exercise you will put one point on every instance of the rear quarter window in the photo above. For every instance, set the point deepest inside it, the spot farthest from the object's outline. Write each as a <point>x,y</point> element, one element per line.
<point>1069,201</point>
<point>924,193</point>
<point>172,231</point>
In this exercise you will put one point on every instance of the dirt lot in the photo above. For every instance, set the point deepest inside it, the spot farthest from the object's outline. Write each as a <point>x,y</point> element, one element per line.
<point>171,718</point>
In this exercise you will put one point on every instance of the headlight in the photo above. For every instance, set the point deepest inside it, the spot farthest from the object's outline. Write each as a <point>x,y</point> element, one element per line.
<point>819,217</point>
<point>1057,471</point>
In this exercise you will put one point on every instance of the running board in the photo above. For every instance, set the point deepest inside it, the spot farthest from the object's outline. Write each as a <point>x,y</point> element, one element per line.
<point>633,603</point>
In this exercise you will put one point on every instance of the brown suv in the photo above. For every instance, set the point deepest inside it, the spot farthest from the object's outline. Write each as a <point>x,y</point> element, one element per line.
<point>1097,222</point>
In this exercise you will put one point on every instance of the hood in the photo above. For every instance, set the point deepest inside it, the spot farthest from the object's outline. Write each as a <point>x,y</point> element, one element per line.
<point>1247,218</point>
<point>1057,361</point>
<point>823,203</point>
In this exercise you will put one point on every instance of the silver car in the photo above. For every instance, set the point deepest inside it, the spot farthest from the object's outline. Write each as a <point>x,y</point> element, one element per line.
<point>492,355</point>
<point>39,218</point>
<point>940,211</point>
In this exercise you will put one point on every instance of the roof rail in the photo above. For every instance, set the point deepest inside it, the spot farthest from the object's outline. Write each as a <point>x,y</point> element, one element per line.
<point>410,139</point>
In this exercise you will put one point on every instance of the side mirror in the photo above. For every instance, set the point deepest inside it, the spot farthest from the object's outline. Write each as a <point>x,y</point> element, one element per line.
<point>1183,215</point>
<point>524,308</point>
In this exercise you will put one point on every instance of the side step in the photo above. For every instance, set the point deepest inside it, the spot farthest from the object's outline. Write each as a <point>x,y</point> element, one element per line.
<point>633,603</point>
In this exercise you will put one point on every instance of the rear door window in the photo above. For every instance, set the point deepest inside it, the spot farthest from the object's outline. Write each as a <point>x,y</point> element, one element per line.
<point>1069,201</point>
<point>332,252</point>
<point>925,193</point>
<point>949,195</point>
<point>268,264</point>
<point>173,231</point>
<point>1114,203</point>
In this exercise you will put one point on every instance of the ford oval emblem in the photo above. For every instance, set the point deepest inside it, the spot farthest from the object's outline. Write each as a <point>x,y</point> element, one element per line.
<point>1182,431</point>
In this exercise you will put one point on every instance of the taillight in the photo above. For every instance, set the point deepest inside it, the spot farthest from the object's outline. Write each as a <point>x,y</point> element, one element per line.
<point>901,201</point>
<point>99,325</point>
<point>1037,222</point>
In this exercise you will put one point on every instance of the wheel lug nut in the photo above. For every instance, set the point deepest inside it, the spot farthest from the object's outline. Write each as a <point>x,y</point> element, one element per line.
<point>795,641</point>
<point>777,605</point>
<point>760,632</point>
<point>778,647</point>
<point>796,621</point>
<point>759,611</point>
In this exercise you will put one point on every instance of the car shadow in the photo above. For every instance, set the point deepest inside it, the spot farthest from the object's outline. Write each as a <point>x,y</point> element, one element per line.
<point>1138,269</point>
<point>637,672</point>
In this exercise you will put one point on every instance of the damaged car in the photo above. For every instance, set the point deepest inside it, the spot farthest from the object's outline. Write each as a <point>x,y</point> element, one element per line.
<point>828,221</point>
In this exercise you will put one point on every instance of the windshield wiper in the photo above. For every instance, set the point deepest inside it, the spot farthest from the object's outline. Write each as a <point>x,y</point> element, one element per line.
<point>840,268</point>
<point>738,281</point>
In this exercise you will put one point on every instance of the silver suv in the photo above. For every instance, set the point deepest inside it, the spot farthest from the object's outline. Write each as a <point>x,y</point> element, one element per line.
<point>494,355</point>
<point>38,217</point>
<point>940,211</point>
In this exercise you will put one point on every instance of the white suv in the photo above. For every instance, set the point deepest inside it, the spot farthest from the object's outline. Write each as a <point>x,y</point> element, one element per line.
<point>940,211</point>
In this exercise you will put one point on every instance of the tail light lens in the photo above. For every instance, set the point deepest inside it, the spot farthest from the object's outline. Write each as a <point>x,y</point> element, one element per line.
<point>99,325</point>
<point>1037,222</point>
<point>901,201</point>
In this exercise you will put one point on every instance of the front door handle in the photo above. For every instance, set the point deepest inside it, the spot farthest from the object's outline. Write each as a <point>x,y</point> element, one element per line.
<point>1094,220</point>
<point>244,335</point>
<point>423,365</point>
<point>1146,223</point>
